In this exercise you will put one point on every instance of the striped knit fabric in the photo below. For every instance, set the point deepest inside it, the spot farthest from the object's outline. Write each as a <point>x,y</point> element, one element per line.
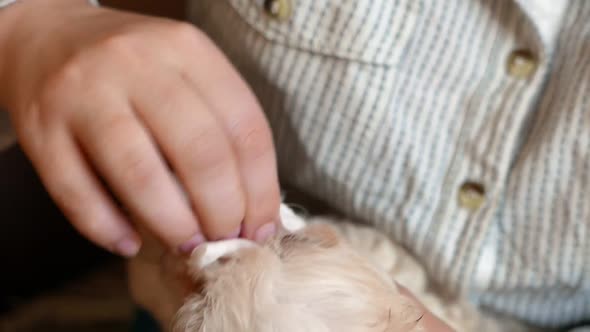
<point>384,108</point>
<point>4,3</point>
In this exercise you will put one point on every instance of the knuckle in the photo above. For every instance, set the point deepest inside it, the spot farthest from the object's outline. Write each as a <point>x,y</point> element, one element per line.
<point>175,100</point>
<point>204,150</point>
<point>137,170</point>
<point>116,44</point>
<point>185,32</point>
<point>116,122</point>
<point>59,86</point>
<point>132,161</point>
<point>252,138</point>
<point>110,130</point>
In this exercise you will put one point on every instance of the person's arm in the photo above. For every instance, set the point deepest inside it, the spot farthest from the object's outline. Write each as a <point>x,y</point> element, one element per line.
<point>111,101</point>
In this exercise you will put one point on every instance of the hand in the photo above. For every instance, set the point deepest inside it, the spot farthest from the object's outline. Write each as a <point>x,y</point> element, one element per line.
<point>108,100</point>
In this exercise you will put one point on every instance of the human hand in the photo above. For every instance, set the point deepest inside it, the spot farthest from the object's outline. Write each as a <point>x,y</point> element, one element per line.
<point>104,100</point>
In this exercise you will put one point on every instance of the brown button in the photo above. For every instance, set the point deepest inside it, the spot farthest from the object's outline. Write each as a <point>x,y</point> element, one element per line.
<point>278,9</point>
<point>471,195</point>
<point>522,64</point>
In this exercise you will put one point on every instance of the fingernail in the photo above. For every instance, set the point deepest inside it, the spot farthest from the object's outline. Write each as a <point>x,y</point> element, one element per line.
<point>265,231</point>
<point>234,235</point>
<point>191,244</point>
<point>127,247</point>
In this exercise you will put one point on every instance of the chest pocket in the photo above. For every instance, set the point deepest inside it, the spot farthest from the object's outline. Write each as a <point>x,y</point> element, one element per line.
<point>369,31</point>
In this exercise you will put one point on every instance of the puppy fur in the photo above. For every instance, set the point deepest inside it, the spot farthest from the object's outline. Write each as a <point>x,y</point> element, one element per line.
<point>326,276</point>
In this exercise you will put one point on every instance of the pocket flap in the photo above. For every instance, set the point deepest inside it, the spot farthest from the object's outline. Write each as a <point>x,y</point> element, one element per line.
<point>370,31</point>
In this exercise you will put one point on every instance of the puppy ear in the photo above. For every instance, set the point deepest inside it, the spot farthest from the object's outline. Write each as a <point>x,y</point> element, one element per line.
<point>323,235</point>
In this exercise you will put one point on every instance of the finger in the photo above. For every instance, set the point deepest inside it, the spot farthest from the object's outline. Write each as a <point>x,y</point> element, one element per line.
<point>126,156</point>
<point>199,152</point>
<point>244,121</point>
<point>83,200</point>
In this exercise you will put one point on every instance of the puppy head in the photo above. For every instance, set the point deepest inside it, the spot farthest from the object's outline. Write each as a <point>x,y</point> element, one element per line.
<point>306,280</point>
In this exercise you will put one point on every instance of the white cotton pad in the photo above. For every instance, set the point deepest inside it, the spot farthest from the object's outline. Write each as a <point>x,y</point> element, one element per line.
<point>216,249</point>
<point>290,221</point>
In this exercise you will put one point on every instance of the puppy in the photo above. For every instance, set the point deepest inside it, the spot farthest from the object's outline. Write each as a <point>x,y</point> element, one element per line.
<point>302,279</point>
<point>323,276</point>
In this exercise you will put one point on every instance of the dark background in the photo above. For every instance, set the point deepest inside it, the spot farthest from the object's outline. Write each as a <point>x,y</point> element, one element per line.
<point>174,9</point>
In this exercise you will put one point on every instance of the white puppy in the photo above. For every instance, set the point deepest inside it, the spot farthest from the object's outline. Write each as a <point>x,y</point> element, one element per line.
<point>319,277</point>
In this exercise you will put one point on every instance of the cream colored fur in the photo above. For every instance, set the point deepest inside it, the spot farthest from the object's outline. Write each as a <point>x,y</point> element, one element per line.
<point>329,276</point>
